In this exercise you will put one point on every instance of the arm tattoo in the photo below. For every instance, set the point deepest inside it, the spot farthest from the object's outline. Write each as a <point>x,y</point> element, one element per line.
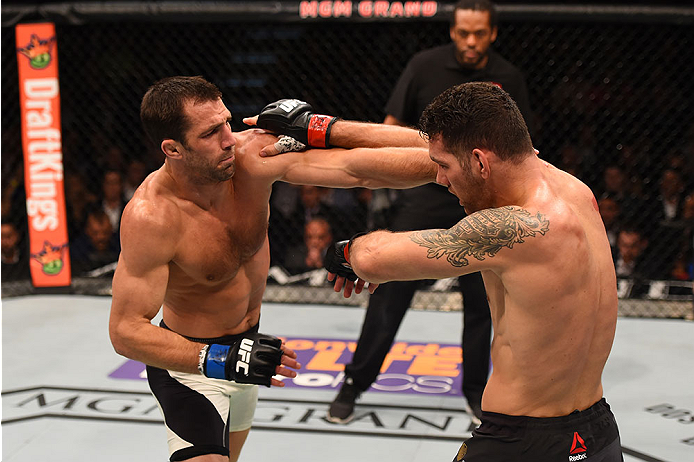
<point>482,233</point>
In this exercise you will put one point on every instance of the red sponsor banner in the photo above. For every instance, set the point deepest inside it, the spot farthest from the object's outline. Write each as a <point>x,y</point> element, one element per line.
<point>37,59</point>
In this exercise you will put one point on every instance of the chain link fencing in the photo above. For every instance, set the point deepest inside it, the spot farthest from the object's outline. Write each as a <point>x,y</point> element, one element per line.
<point>611,90</point>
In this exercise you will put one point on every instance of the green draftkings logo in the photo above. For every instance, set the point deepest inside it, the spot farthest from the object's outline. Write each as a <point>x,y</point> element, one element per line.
<point>38,51</point>
<point>51,258</point>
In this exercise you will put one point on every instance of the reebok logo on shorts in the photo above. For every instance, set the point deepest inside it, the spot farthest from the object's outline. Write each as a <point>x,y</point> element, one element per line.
<point>578,449</point>
<point>461,453</point>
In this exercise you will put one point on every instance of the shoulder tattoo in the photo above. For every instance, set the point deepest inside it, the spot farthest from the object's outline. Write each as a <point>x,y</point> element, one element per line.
<point>482,234</point>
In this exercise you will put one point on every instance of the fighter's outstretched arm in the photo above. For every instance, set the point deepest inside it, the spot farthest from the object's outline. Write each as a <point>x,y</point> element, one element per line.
<point>352,134</point>
<point>481,241</point>
<point>392,167</point>
<point>373,168</point>
<point>295,118</point>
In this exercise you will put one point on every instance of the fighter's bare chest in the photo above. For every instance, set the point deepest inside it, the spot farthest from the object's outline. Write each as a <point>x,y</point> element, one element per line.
<point>214,247</point>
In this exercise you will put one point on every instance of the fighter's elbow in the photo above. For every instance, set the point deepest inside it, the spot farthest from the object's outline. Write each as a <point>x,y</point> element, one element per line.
<point>366,263</point>
<point>118,333</point>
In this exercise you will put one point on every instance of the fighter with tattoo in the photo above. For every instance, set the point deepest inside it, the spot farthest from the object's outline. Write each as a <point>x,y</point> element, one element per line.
<point>535,234</point>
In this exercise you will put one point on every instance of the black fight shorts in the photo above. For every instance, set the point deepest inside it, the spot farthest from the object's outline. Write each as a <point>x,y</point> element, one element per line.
<point>589,435</point>
<point>199,412</point>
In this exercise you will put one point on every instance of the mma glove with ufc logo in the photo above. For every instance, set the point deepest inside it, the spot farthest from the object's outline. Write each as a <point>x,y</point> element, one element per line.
<point>295,118</point>
<point>253,359</point>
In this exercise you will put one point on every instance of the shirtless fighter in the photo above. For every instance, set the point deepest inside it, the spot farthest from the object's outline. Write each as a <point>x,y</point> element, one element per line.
<point>194,241</point>
<point>535,234</point>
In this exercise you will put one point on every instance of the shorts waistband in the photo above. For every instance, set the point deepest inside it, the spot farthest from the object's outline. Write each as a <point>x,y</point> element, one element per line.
<point>576,417</point>
<point>224,340</point>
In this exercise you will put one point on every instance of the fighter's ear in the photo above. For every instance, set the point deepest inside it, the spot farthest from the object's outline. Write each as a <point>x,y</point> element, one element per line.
<point>480,163</point>
<point>171,148</point>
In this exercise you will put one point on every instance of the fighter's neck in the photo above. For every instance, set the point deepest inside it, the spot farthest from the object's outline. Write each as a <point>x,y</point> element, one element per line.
<point>517,184</point>
<point>206,195</point>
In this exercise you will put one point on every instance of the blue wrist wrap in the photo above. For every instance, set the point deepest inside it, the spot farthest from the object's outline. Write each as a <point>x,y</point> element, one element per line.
<point>215,364</point>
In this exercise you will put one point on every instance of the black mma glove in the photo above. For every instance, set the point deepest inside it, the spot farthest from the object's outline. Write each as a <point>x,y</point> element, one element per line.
<point>253,359</point>
<point>337,259</point>
<point>295,118</point>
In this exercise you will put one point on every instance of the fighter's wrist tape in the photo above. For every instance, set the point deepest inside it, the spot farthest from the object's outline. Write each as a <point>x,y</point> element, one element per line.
<point>319,127</point>
<point>215,361</point>
<point>345,252</point>
<point>201,359</point>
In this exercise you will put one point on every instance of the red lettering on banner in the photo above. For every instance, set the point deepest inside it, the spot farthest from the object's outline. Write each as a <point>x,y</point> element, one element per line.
<point>308,9</point>
<point>384,9</point>
<point>412,9</point>
<point>381,8</point>
<point>396,10</point>
<point>429,8</point>
<point>325,9</point>
<point>342,9</point>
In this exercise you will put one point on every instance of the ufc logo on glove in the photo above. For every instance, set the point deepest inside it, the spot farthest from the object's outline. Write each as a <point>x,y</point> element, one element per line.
<point>233,362</point>
<point>245,355</point>
<point>290,104</point>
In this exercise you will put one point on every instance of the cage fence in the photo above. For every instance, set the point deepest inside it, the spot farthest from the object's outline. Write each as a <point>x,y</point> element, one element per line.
<point>610,89</point>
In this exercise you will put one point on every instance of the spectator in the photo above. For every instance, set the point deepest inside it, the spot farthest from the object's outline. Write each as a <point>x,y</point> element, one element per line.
<point>629,259</point>
<point>468,58</point>
<point>311,205</point>
<point>135,173</point>
<point>615,185</point>
<point>15,262</point>
<point>356,214</point>
<point>667,238</point>
<point>670,199</point>
<point>78,200</point>
<point>112,201</point>
<point>97,246</point>
<point>309,256</point>
<point>677,160</point>
<point>638,167</point>
<point>682,232</point>
<point>610,213</point>
<point>113,159</point>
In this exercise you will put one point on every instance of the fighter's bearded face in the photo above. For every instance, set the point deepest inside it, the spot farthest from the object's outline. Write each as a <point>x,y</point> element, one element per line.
<point>458,176</point>
<point>209,144</point>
